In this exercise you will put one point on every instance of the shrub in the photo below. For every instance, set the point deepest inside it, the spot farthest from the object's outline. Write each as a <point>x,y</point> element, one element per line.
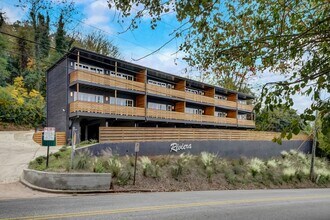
<point>163,161</point>
<point>114,165</point>
<point>207,159</point>
<point>81,161</point>
<point>124,176</point>
<point>284,154</point>
<point>256,165</point>
<point>272,163</point>
<point>288,173</point>
<point>98,166</point>
<point>40,159</point>
<point>180,164</point>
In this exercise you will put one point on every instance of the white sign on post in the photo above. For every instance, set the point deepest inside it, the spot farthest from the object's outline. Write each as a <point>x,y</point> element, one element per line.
<point>49,134</point>
<point>137,147</point>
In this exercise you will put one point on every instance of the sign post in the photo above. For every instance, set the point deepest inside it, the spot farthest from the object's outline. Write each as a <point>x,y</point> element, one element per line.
<point>136,149</point>
<point>48,139</point>
<point>74,140</point>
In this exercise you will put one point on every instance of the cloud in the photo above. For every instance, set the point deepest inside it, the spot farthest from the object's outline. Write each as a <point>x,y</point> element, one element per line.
<point>13,13</point>
<point>97,14</point>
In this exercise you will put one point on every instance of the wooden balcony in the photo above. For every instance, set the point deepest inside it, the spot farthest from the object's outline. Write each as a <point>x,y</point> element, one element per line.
<point>220,102</point>
<point>189,96</point>
<point>153,113</point>
<point>106,80</point>
<point>100,108</point>
<point>246,122</point>
<point>165,91</point>
<point>245,107</point>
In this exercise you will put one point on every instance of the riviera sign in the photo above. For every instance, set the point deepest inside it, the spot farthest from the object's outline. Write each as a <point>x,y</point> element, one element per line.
<point>175,147</point>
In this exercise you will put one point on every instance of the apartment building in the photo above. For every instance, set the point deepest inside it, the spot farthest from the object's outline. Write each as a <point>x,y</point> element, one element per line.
<point>86,90</point>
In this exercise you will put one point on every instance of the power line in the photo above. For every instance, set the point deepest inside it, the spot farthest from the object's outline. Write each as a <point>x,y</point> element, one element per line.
<point>108,33</point>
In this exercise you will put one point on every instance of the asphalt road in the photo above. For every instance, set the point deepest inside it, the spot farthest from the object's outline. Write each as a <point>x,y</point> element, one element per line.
<point>253,204</point>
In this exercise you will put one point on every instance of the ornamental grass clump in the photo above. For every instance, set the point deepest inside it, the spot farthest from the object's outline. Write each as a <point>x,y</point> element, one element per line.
<point>288,173</point>
<point>256,166</point>
<point>114,165</point>
<point>208,160</point>
<point>149,169</point>
<point>81,161</point>
<point>272,163</point>
<point>179,166</point>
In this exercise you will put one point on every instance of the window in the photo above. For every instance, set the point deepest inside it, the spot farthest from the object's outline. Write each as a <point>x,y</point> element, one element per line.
<point>159,106</point>
<point>242,116</point>
<point>195,111</point>
<point>121,101</point>
<point>88,97</point>
<point>242,101</point>
<point>222,97</point>
<point>220,114</point>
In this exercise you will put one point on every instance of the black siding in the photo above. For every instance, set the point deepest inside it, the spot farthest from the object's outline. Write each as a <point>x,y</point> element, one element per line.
<point>57,93</point>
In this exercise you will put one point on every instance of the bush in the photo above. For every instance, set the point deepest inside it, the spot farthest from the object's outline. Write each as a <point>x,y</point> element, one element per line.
<point>98,166</point>
<point>124,176</point>
<point>40,160</point>
<point>256,165</point>
<point>178,167</point>
<point>81,161</point>
<point>114,165</point>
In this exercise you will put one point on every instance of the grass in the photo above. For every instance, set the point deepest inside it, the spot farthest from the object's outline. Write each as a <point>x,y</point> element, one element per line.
<point>201,172</point>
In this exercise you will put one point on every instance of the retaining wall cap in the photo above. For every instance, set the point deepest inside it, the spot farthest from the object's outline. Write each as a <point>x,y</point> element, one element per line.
<point>68,173</point>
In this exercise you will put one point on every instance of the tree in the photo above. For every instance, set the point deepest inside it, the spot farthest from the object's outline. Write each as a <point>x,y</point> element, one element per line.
<point>290,38</point>
<point>99,43</point>
<point>276,120</point>
<point>4,73</point>
<point>19,106</point>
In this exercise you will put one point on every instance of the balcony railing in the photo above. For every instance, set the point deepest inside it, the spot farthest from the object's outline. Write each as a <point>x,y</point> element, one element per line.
<point>189,96</point>
<point>107,80</point>
<point>246,122</point>
<point>220,102</point>
<point>153,113</point>
<point>101,108</point>
<point>165,91</point>
<point>245,107</point>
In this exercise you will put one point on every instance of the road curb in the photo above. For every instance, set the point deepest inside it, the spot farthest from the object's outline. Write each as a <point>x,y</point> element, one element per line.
<point>57,191</point>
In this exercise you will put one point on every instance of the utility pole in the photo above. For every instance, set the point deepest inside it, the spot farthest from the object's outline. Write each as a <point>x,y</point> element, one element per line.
<point>312,174</point>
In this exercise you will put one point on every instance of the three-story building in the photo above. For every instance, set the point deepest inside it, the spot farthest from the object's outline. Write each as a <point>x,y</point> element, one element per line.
<point>86,90</point>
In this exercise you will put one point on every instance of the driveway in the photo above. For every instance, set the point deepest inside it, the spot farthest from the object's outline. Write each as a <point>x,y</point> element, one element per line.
<point>17,149</point>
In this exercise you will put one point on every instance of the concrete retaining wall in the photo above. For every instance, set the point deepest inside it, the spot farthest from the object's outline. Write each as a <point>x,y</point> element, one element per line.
<point>223,148</point>
<point>68,181</point>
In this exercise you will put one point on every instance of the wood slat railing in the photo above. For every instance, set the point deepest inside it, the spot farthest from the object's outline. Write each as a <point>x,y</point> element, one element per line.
<point>245,107</point>
<point>153,113</point>
<point>101,108</point>
<point>246,122</point>
<point>189,96</point>
<point>136,134</point>
<point>60,138</point>
<point>107,80</point>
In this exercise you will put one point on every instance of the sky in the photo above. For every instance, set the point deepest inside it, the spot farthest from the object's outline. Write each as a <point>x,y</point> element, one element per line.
<point>96,16</point>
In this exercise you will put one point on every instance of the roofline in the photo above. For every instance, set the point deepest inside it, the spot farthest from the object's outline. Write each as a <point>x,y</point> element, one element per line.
<point>73,49</point>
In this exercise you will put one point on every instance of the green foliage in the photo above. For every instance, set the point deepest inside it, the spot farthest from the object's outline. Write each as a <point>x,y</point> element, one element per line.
<point>125,175</point>
<point>81,161</point>
<point>252,37</point>
<point>4,73</point>
<point>98,43</point>
<point>19,106</point>
<point>180,165</point>
<point>114,165</point>
<point>98,166</point>
<point>87,142</point>
<point>277,120</point>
